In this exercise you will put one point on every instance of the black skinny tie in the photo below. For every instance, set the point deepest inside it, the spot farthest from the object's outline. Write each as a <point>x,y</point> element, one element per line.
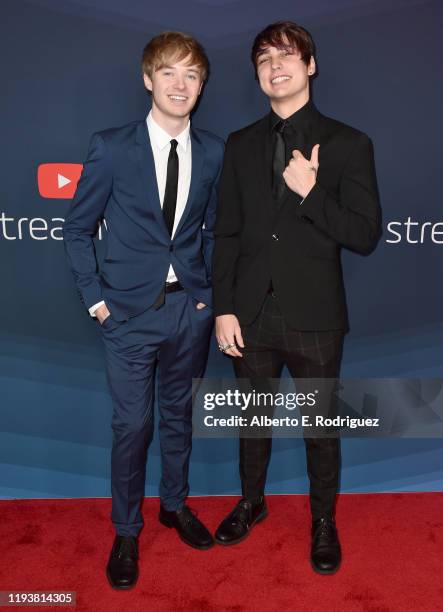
<point>170,199</point>
<point>169,204</point>
<point>279,161</point>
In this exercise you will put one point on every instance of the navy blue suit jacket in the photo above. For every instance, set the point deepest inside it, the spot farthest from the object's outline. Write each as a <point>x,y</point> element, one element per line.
<point>119,184</point>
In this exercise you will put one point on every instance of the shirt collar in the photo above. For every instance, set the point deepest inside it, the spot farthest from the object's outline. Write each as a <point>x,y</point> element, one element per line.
<point>161,139</point>
<point>298,120</point>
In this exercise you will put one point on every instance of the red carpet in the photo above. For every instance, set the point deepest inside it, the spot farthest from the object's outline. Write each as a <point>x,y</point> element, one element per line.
<point>392,557</point>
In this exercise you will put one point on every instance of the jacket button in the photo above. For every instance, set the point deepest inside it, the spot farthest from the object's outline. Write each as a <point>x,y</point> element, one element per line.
<point>171,248</point>
<point>274,237</point>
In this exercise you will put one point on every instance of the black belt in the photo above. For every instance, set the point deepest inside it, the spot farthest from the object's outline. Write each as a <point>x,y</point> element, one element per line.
<point>171,287</point>
<point>167,288</point>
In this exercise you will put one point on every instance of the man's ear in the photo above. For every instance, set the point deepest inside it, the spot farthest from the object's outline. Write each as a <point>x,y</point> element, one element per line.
<point>147,81</point>
<point>201,87</point>
<point>311,66</point>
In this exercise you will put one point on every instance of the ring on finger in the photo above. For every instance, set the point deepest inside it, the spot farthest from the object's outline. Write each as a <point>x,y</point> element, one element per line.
<point>225,347</point>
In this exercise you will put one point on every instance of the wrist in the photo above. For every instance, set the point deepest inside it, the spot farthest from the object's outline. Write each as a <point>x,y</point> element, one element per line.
<point>102,313</point>
<point>305,194</point>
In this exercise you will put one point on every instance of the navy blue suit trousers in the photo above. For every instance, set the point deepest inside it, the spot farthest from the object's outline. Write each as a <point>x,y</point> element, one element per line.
<point>173,340</point>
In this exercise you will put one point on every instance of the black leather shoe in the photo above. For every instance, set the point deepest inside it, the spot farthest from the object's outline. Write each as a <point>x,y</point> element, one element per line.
<point>325,550</point>
<point>238,524</point>
<point>122,569</point>
<point>189,528</point>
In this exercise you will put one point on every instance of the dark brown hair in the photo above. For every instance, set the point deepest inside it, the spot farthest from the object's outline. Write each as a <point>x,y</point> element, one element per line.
<point>173,46</point>
<point>283,34</point>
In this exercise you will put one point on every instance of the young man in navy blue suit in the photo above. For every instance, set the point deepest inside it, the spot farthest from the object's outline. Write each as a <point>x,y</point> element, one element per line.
<point>154,182</point>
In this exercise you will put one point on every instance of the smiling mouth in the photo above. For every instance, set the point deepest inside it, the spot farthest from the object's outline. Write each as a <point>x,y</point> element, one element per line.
<point>178,98</point>
<point>280,78</point>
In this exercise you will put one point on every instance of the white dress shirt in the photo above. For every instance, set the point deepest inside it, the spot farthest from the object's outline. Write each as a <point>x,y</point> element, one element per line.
<point>161,145</point>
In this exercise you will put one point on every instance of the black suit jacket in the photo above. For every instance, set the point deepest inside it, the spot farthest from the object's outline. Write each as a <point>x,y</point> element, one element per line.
<point>295,245</point>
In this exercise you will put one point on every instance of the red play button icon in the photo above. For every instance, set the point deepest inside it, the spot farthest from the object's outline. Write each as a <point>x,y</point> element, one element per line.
<point>58,180</point>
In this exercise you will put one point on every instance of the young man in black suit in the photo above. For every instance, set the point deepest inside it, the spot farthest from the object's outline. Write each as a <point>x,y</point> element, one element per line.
<point>295,188</point>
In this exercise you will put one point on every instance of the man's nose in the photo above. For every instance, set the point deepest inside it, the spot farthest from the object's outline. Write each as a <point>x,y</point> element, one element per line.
<point>180,82</point>
<point>275,62</point>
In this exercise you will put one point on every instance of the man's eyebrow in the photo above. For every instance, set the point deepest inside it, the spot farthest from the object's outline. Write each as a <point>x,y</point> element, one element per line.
<point>172,68</point>
<point>263,51</point>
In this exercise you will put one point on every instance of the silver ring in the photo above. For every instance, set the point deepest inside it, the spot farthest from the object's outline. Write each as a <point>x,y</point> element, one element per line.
<point>225,347</point>
<point>228,346</point>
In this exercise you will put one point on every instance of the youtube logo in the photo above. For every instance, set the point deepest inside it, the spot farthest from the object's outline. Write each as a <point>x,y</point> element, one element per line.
<point>58,180</point>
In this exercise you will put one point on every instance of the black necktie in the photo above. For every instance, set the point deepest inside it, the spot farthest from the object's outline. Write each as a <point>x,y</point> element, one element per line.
<point>170,199</point>
<point>279,161</point>
<point>169,204</point>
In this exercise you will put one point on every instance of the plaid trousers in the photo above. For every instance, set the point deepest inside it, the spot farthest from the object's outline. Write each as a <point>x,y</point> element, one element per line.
<point>269,346</point>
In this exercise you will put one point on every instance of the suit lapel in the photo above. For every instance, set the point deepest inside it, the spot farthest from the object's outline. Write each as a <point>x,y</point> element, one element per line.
<point>146,165</point>
<point>198,158</point>
<point>263,164</point>
<point>319,134</point>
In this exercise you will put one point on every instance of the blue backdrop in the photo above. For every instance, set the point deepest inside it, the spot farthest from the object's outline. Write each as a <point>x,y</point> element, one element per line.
<point>70,68</point>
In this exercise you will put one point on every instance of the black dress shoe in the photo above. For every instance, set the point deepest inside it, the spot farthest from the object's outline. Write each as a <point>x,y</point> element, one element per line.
<point>238,524</point>
<point>122,569</point>
<point>325,550</point>
<point>189,528</point>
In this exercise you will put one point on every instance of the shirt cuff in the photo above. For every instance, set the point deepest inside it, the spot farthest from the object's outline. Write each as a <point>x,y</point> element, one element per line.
<point>94,308</point>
